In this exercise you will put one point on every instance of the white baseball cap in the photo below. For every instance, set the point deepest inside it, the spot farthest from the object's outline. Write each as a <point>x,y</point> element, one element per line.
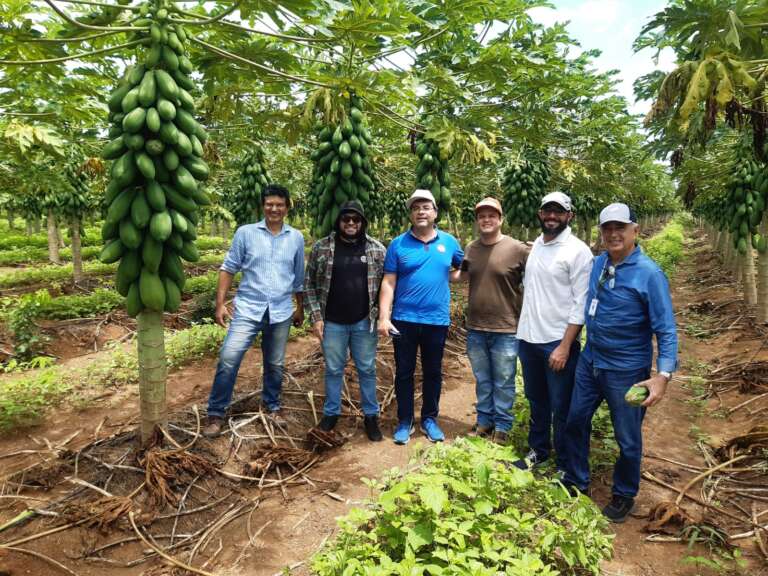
<point>420,194</point>
<point>558,198</point>
<point>617,212</point>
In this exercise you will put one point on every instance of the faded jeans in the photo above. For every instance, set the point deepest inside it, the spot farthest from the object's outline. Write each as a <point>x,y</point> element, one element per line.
<point>239,338</point>
<point>358,339</point>
<point>493,356</point>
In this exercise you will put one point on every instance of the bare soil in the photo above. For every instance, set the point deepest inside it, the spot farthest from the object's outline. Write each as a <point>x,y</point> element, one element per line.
<point>282,528</point>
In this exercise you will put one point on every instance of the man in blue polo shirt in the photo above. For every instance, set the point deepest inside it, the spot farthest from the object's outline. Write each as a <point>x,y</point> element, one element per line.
<point>627,304</point>
<point>417,271</point>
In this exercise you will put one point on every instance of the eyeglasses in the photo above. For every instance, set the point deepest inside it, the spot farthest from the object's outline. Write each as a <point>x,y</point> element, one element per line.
<point>423,208</point>
<point>607,275</point>
<point>347,218</point>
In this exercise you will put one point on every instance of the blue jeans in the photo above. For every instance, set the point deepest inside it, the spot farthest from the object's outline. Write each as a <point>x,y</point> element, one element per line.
<point>493,356</point>
<point>592,386</point>
<point>239,338</point>
<point>429,339</point>
<point>361,343</point>
<point>549,395</point>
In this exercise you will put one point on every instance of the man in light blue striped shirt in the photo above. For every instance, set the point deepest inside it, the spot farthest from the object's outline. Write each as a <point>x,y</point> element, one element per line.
<point>270,254</point>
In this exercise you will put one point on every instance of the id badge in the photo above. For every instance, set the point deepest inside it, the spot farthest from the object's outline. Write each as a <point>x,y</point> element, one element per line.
<point>593,307</point>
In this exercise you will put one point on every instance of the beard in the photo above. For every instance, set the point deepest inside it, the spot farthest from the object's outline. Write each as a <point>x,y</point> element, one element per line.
<point>553,231</point>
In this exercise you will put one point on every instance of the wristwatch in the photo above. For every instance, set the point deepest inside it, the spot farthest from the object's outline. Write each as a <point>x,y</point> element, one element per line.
<point>667,375</point>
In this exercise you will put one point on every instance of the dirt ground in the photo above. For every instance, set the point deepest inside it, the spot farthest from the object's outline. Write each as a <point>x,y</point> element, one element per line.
<point>283,524</point>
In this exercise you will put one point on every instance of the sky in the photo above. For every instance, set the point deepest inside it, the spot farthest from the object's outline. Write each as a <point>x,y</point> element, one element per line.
<point>611,26</point>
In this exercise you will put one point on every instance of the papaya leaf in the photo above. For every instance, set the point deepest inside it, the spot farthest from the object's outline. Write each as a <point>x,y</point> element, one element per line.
<point>734,27</point>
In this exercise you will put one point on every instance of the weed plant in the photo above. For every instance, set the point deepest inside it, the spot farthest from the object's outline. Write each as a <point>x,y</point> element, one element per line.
<point>465,510</point>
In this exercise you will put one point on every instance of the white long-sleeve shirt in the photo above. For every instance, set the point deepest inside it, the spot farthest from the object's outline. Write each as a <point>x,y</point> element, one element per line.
<point>556,283</point>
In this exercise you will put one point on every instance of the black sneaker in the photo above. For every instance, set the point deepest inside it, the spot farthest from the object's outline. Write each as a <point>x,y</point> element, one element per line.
<point>328,423</point>
<point>530,461</point>
<point>619,508</point>
<point>371,425</point>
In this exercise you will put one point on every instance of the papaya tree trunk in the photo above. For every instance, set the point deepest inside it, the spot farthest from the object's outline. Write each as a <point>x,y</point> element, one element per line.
<point>60,237</point>
<point>53,239</point>
<point>225,228</point>
<point>77,257</point>
<point>762,279</point>
<point>152,371</point>
<point>589,224</point>
<point>38,225</point>
<point>29,227</point>
<point>214,226</point>
<point>11,220</point>
<point>748,278</point>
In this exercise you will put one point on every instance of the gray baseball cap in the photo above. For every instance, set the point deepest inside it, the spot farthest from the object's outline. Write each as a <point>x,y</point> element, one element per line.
<point>617,212</point>
<point>558,198</point>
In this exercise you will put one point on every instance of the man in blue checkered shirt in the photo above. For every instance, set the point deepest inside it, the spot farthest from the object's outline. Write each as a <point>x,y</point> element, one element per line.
<point>270,255</point>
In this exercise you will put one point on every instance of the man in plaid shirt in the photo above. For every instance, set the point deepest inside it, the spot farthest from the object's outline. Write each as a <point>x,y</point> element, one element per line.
<point>341,286</point>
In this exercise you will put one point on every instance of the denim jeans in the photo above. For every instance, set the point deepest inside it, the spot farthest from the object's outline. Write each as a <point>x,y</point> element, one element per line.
<point>239,338</point>
<point>493,356</point>
<point>549,395</point>
<point>592,386</point>
<point>429,339</point>
<point>361,343</point>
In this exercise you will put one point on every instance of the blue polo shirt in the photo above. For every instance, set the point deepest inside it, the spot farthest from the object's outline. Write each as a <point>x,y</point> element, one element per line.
<point>631,308</point>
<point>422,292</point>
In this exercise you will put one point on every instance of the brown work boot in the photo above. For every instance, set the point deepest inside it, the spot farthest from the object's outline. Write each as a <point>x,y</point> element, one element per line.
<point>501,438</point>
<point>482,431</point>
<point>213,427</point>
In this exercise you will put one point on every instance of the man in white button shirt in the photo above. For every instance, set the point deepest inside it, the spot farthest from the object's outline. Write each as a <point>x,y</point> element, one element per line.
<point>555,290</point>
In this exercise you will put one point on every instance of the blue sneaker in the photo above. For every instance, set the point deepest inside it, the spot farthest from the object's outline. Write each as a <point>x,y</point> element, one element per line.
<point>432,430</point>
<point>403,432</point>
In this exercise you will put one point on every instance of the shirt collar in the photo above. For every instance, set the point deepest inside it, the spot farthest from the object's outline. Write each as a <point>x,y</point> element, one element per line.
<point>435,239</point>
<point>263,225</point>
<point>631,258</point>
<point>559,239</point>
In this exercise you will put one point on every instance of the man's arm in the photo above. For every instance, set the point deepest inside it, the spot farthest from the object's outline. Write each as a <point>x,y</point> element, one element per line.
<point>298,282</point>
<point>386,296</point>
<point>222,289</point>
<point>579,280</point>
<point>312,304</point>
<point>662,320</point>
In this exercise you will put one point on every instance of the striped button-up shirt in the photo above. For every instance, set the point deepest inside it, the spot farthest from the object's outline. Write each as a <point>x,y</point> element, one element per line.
<point>272,267</point>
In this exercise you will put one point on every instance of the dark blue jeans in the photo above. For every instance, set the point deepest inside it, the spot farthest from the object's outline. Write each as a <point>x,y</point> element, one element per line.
<point>593,385</point>
<point>430,341</point>
<point>549,396</point>
<point>239,338</point>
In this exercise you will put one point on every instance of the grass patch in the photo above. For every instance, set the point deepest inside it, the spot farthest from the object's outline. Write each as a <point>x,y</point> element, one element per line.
<point>25,399</point>
<point>666,247</point>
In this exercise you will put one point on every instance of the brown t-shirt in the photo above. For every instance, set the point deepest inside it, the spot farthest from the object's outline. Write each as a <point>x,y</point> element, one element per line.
<point>495,284</point>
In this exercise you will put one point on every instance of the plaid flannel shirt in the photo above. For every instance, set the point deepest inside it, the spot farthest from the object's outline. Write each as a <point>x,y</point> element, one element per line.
<point>317,281</point>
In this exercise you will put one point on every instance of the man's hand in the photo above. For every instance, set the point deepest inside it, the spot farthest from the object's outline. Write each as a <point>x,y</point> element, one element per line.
<point>657,386</point>
<point>559,357</point>
<point>318,328</point>
<point>298,317</point>
<point>223,315</point>
<point>385,325</point>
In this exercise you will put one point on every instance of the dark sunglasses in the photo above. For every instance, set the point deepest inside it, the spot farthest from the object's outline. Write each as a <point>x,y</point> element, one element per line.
<point>351,218</point>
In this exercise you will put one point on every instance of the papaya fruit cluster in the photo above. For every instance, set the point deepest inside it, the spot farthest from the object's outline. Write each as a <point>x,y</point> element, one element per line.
<point>343,169</point>
<point>393,204</point>
<point>432,171</point>
<point>746,198</point>
<point>154,188</point>
<point>245,203</point>
<point>76,200</point>
<point>524,183</point>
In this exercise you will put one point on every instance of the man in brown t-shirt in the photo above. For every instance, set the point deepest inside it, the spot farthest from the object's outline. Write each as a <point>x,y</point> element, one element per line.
<point>494,265</point>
